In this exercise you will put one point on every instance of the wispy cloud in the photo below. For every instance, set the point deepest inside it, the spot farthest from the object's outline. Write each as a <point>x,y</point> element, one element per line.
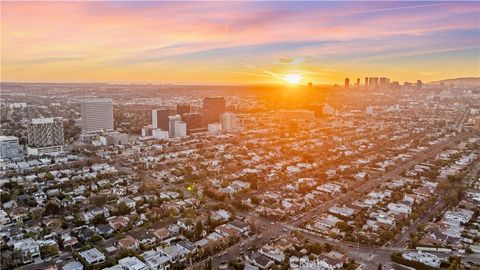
<point>193,41</point>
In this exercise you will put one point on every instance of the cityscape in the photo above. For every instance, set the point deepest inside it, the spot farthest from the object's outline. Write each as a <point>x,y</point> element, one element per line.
<point>166,152</point>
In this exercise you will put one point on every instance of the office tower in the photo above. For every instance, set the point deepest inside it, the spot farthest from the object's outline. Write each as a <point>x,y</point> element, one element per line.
<point>160,119</point>
<point>177,128</point>
<point>419,84</point>
<point>9,147</point>
<point>366,82</point>
<point>212,108</point>
<point>194,122</point>
<point>228,121</point>
<point>375,82</point>
<point>370,83</point>
<point>97,115</point>
<point>45,136</point>
<point>147,131</point>
<point>358,82</point>
<point>347,82</point>
<point>183,109</point>
<point>382,84</point>
<point>160,134</point>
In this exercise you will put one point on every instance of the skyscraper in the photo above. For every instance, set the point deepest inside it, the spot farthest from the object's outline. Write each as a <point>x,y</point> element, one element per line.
<point>177,128</point>
<point>194,122</point>
<point>97,115</point>
<point>9,147</point>
<point>419,84</point>
<point>183,108</point>
<point>212,108</point>
<point>366,82</point>
<point>228,120</point>
<point>45,135</point>
<point>373,83</point>
<point>358,82</point>
<point>382,84</point>
<point>347,82</point>
<point>160,119</point>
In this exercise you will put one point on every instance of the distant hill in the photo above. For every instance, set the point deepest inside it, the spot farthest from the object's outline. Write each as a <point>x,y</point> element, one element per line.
<point>467,81</point>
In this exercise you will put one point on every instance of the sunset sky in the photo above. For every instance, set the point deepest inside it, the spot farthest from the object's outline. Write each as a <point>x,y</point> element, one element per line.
<point>238,42</point>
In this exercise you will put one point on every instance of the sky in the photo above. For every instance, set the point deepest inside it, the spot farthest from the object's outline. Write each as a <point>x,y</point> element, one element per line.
<point>238,42</point>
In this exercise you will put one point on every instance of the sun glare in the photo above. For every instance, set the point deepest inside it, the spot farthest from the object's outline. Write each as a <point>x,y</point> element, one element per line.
<point>293,78</point>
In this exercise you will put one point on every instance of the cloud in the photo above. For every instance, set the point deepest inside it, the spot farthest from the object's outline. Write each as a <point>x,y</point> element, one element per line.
<point>291,61</point>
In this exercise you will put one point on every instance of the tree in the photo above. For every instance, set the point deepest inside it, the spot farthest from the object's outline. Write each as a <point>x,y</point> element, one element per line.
<point>380,267</point>
<point>342,225</point>
<point>99,219</point>
<point>11,259</point>
<point>48,250</point>
<point>123,209</point>
<point>198,229</point>
<point>51,208</point>
<point>98,200</point>
<point>49,176</point>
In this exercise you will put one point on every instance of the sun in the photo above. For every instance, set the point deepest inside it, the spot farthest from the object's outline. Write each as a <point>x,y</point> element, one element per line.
<point>293,78</point>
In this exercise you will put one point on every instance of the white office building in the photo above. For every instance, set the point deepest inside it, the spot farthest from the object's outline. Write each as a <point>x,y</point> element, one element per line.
<point>9,147</point>
<point>160,134</point>
<point>214,128</point>
<point>45,136</point>
<point>229,121</point>
<point>97,115</point>
<point>177,128</point>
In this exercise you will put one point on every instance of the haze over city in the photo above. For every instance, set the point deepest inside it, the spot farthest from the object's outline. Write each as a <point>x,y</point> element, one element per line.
<point>240,135</point>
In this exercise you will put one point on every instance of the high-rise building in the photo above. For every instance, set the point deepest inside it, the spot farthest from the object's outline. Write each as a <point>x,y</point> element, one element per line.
<point>419,84</point>
<point>183,109</point>
<point>97,115</point>
<point>160,119</point>
<point>366,82</point>
<point>347,82</point>
<point>9,147</point>
<point>358,82</point>
<point>373,83</point>
<point>382,84</point>
<point>194,122</point>
<point>45,136</point>
<point>212,108</point>
<point>177,128</point>
<point>228,121</point>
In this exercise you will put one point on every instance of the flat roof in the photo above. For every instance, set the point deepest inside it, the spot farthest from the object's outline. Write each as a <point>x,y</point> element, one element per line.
<point>7,138</point>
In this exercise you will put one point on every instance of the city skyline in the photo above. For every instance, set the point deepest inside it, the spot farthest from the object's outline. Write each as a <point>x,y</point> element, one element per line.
<point>238,42</point>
